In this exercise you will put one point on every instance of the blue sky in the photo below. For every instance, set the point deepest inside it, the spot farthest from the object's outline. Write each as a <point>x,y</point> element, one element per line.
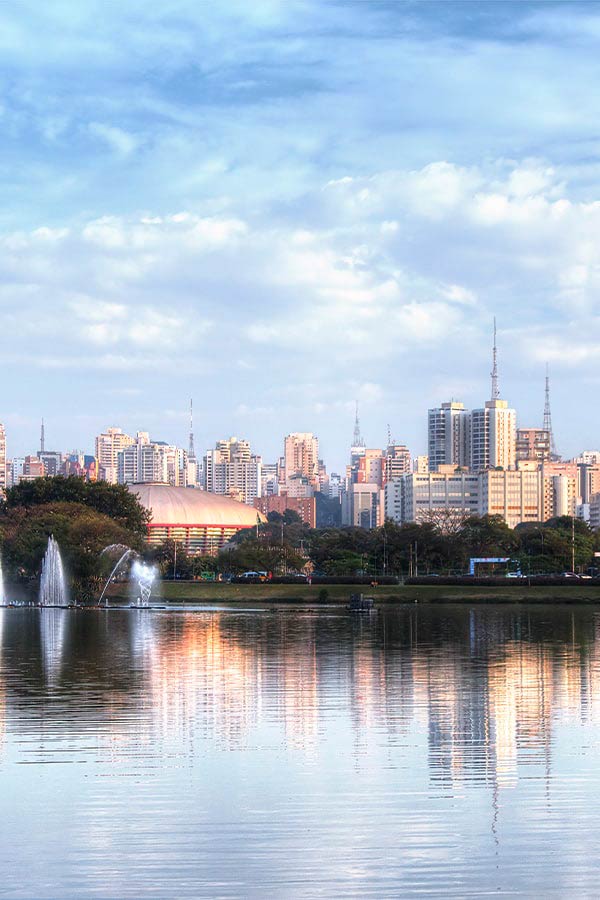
<point>279,207</point>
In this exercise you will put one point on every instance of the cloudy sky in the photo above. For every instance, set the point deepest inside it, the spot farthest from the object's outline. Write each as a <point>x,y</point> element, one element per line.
<point>279,207</point>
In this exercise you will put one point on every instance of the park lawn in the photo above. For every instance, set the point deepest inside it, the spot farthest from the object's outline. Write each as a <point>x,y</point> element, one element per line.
<point>209,592</point>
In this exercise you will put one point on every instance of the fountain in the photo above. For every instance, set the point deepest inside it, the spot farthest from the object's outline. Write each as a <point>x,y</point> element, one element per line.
<point>2,594</point>
<point>142,577</point>
<point>125,554</point>
<point>53,585</point>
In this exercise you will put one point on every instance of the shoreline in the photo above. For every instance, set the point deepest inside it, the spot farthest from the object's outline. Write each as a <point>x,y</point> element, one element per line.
<point>304,594</point>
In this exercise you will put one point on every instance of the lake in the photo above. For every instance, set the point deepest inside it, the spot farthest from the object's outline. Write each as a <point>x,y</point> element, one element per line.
<point>290,752</point>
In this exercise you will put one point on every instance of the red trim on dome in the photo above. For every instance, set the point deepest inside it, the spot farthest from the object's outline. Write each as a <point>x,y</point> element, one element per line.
<point>175,525</point>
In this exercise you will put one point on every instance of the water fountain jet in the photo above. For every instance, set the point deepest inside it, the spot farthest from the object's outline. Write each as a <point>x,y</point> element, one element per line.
<point>53,584</point>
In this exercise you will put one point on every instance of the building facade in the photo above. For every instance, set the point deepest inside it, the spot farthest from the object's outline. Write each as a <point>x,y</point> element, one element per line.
<point>448,436</point>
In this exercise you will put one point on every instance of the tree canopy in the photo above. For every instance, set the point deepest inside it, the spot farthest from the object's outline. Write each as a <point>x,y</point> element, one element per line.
<point>82,534</point>
<point>112,500</point>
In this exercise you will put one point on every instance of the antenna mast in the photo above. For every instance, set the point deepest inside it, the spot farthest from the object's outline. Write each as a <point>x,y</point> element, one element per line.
<point>42,438</point>
<point>191,451</point>
<point>357,439</point>
<point>548,415</point>
<point>495,389</point>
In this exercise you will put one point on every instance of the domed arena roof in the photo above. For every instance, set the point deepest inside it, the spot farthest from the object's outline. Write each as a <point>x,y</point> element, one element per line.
<point>191,507</point>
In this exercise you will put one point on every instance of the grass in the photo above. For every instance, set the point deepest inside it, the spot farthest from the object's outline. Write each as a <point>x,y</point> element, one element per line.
<point>206,592</point>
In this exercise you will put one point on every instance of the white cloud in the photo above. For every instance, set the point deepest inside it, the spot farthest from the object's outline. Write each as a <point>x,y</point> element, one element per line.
<point>120,141</point>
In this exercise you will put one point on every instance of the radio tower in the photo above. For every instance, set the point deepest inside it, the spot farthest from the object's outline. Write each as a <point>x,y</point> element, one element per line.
<point>357,439</point>
<point>494,373</point>
<point>548,416</point>
<point>191,451</point>
<point>42,438</point>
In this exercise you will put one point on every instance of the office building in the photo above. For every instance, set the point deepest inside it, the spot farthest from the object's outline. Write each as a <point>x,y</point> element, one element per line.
<point>512,494</point>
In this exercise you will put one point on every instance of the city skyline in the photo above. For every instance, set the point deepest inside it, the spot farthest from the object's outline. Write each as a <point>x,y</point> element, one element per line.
<point>204,442</point>
<point>224,203</point>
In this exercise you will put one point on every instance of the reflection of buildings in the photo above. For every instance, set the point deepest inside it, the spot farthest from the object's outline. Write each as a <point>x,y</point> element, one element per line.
<point>466,697</point>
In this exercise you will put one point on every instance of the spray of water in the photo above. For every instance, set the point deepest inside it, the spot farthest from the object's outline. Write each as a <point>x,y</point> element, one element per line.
<point>143,577</point>
<point>53,584</point>
<point>2,594</point>
<point>120,562</point>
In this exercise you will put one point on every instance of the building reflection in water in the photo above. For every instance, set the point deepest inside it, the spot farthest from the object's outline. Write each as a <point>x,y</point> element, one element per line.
<point>479,691</point>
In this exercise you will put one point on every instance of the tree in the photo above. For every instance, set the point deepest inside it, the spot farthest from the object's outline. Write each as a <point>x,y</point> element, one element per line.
<point>82,534</point>
<point>112,500</point>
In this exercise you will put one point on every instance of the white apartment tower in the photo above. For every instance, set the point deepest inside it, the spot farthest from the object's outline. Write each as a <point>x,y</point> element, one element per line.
<point>108,446</point>
<point>231,469</point>
<point>493,429</point>
<point>448,436</point>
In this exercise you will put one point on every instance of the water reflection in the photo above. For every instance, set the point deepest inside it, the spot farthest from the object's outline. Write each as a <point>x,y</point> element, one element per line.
<point>374,720</point>
<point>486,687</point>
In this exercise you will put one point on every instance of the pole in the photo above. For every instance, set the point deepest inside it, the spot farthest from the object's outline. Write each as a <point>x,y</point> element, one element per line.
<point>573,543</point>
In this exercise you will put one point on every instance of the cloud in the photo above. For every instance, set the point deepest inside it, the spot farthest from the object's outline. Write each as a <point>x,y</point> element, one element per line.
<point>223,201</point>
<point>123,143</point>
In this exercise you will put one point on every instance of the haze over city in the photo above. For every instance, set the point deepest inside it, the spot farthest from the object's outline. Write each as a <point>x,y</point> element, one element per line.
<point>279,208</point>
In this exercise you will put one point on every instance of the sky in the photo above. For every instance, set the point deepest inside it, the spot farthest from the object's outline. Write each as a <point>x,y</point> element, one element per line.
<point>278,208</point>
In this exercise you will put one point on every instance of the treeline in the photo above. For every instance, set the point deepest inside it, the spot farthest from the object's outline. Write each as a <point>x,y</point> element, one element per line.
<point>285,545</point>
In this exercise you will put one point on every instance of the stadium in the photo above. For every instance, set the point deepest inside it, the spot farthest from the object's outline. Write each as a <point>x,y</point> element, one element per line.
<point>200,522</point>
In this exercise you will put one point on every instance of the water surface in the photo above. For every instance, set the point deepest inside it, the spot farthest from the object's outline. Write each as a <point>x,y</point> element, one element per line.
<point>252,753</point>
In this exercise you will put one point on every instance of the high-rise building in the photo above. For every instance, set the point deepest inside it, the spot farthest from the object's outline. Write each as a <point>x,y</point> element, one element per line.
<point>512,494</point>
<point>32,468</point>
<point>397,461</point>
<point>448,435</point>
<point>432,496</point>
<point>493,429</point>
<point>108,446</point>
<point>493,436</point>
<point>143,462</point>
<point>560,489</point>
<point>2,458</point>
<point>305,507</point>
<point>362,505</point>
<point>533,444</point>
<point>17,465</point>
<point>371,468</point>
<point>232,469</point>
<point>301,456</point>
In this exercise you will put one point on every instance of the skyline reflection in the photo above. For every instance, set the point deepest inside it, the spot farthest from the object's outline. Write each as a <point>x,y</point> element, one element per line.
<point>481,690</point>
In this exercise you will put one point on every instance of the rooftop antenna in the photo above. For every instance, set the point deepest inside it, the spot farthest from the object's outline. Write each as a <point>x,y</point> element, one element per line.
<point>548,414</point>
<point>495,389</point>
<point>191,451</point>
<point>357,439</point>
<point>389,433</point>
<point>42,438</point>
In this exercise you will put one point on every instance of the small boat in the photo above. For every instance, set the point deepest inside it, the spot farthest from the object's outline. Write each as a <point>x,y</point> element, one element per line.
<point>360,603</point>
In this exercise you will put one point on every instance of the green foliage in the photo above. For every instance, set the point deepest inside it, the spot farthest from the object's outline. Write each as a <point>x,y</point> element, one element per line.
<point>81,532</point>
<point>112,500</point>
<point>261,554</point>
